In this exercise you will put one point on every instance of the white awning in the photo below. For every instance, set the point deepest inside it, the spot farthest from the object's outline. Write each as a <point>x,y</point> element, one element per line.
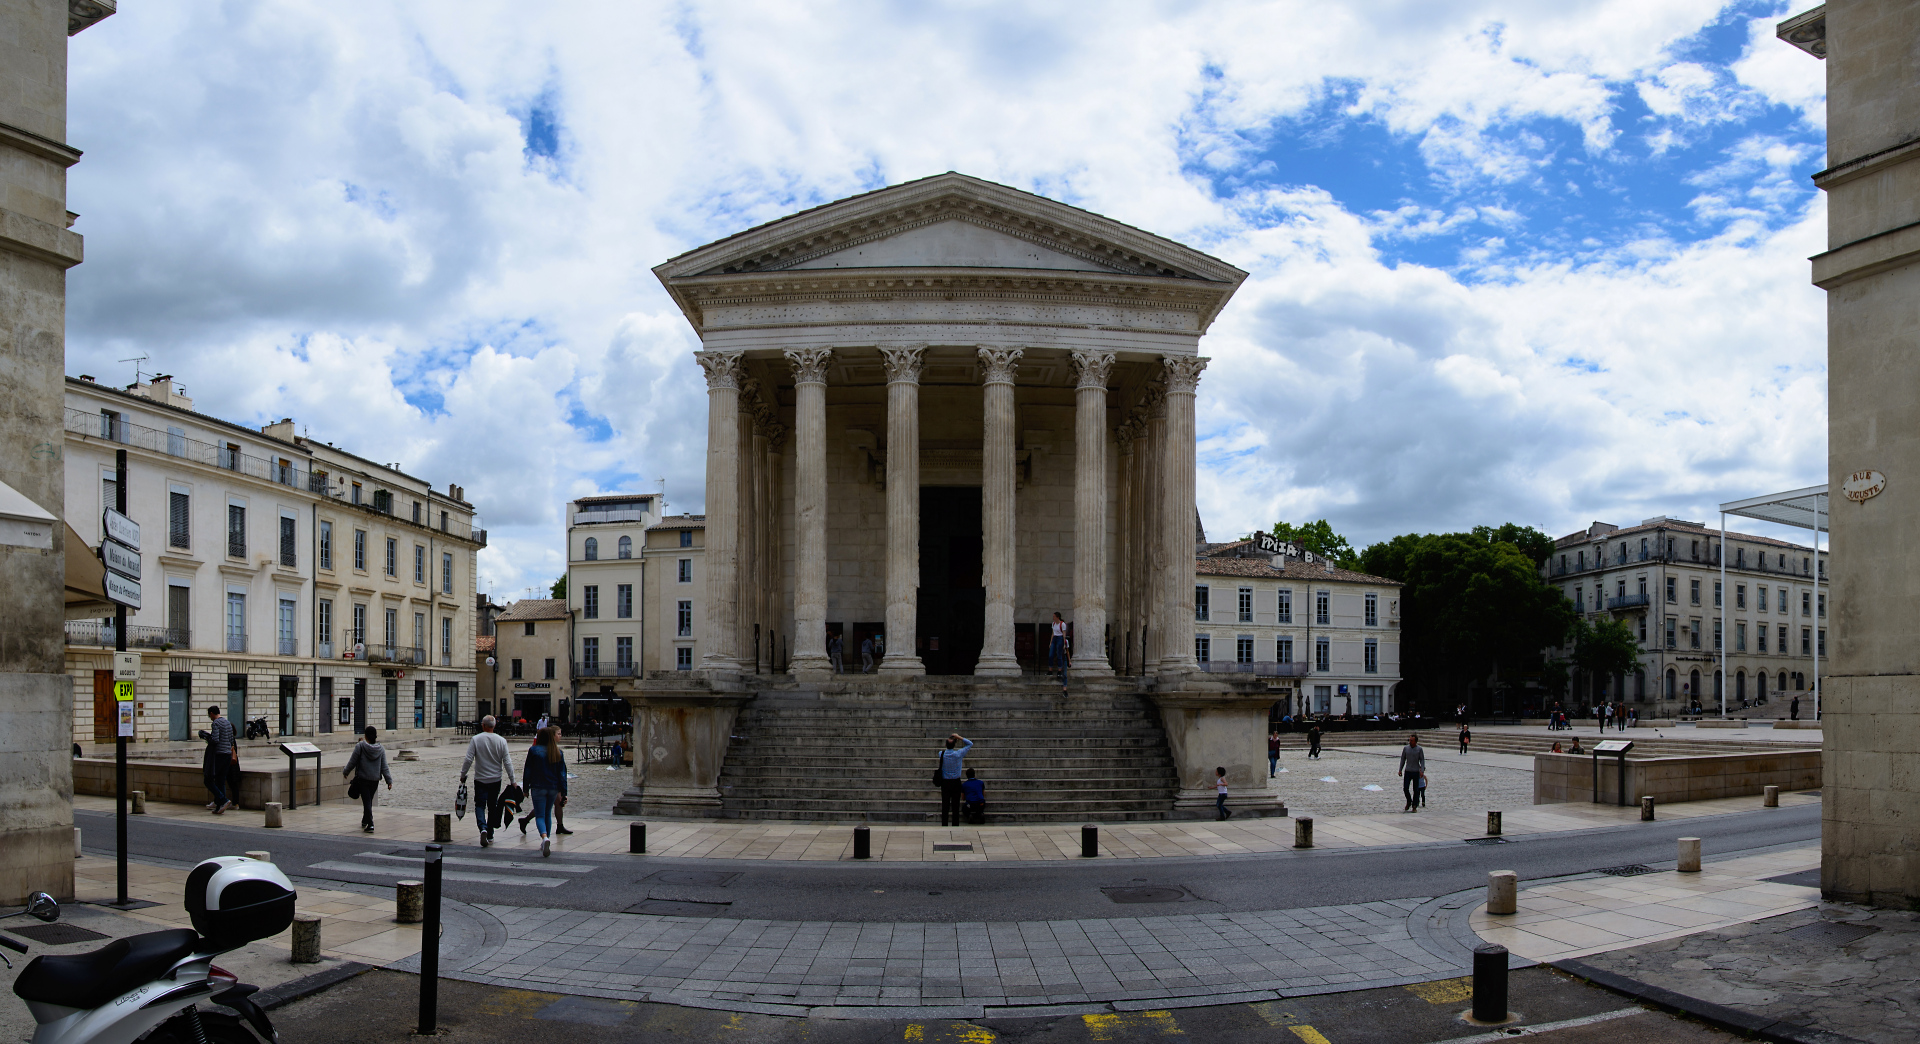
<point>1800,508</point>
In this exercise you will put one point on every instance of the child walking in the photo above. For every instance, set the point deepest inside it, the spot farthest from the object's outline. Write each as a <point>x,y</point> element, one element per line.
<point>1220,793</point>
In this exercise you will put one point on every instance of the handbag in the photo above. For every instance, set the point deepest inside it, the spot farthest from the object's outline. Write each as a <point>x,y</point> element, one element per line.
<point>356,788</point>
<point>939,771</point>
<point>460,802</point>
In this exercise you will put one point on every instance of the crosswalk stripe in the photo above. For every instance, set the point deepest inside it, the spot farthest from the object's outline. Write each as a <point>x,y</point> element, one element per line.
<point>500,864</point>
<point>450,875</point>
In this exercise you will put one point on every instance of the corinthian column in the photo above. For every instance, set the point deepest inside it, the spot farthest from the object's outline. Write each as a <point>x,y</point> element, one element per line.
<point>997,511</point>
<point>1182,376</point>
<point>903,508</point>
<point>746,615</point>
<point>810,511</point>
<point>1090,512</point>
<point>1124,647</point>
<point>723,508</point>
<point>1153,549</point>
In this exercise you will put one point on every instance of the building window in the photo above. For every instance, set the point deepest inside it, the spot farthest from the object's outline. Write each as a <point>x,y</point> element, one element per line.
<point>1670,595</point>
<point>1322,608</point>
<point>549,668</point>
<point>420,633</point>
<point>529,628</point>
<point>1583,560</point>
<point>416,512</point>
<point>685,620</point>
<point>1806,641</point>
<point>1671,644</point>
<point>1246,605</point>
<point>356,493</point>
<point>236,622</point>
<point>1806,603</point>
<point>326,545</point>
<point>1694,550</point>
<point>593,549</point>
<point>1693,633</point>
<point>419,563</point>
<point>1739,596</point>
<point>626,547</point>
<point>1643,626</point>
<point>1716,594</point>
<point>393,630</point>
<point>1806,565</point>
<point>1760,638</point>
<point>623,654</point>
<point>1643,549</point>
<point>1283,650</point>
<point>623,602</point>
<point>1579,599</point>
<point>1203,647</point>
<point>1760,598</point>
<point>1781,647</point>
<point>1673,687</point>
<point>1694,589</point>
<point>1823,641</point>
<point>590,601</point>
<point>686,570</point>
<point>683,656</point>
<point>360,549</point>
<point>1740,636</point>
<point>1783,600</point>
<point>446,572</point>
<point>1716,636</point>
<point>288,645</point>
<point>1202,610</point>
<point>590,655</point>
<point>1372,653</point>
<point>236,531</point>
<point>393,557</point>
<point>686,540</point>
<point>1322,654</point>
<point>1285,608</point>
<point>179,519</point>
<point>359,623</point>
<point>1373,609</point>
<point>513,669</point>
<point>1243,649</point>
<point>323,615</point>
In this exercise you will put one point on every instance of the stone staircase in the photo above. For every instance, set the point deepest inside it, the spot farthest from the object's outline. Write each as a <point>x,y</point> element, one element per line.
<point>1645,744</point>
<point>1099,754</point>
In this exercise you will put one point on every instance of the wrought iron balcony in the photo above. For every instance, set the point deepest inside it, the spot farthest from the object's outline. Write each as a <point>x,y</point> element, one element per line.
<point>94,632</point>
<point>1632,601</point>
<point>1264,669</point>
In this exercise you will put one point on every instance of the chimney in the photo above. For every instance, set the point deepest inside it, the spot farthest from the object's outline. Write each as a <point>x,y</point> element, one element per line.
<point>281,429</point>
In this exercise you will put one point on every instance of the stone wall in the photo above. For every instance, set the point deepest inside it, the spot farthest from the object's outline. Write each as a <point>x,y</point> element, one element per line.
<point>184,783</point>
<point>1569,777</point>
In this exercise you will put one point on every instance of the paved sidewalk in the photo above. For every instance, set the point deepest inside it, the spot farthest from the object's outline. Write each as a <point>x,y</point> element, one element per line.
<point>807,841</point>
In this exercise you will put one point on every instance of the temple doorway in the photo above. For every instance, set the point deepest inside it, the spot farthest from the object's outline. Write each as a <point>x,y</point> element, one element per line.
<point>953,600</point>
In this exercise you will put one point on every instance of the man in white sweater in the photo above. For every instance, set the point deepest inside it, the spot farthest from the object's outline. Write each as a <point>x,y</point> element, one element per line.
<point>488,757</point>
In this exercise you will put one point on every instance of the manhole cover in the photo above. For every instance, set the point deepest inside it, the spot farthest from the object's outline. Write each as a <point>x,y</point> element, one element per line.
<point>1486,840</point>
<point>1630,870</point>
<point>679,908</point>
<point>952,847</point>
<point>710,878</point>
<point>1834,933</point>
<point>57,934</point>
<point>1145,895</point>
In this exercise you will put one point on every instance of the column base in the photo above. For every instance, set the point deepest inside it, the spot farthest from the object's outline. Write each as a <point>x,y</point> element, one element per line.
<point>811,668</point>
<point>997,667</point>
<point>1199,804</point>
<point>673,802</point>
<point>902,665</point>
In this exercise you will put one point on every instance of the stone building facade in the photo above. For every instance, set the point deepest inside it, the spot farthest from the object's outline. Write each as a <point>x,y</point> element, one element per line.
<point>532,639</point>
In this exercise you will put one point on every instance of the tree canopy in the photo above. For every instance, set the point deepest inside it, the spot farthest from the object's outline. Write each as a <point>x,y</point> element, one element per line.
<point>559,588</point>
<point>1319,538</point>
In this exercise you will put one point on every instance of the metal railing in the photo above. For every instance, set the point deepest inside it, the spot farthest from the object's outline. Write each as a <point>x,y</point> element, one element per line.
<point>213,455</point>
<point>1264,669</point>
<point>236,641</point>
<point>289,647</point>
<point>602,670</point>
<point>1632,601</point>
<point>94,632</point>
<point>585,517</point>
<point>323,650</point>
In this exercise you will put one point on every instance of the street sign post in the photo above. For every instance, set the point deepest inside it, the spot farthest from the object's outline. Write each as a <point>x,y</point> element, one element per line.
<point>122,529</point>
<point>122,591</point>
<point>126,668</point>
<point>120,559</point>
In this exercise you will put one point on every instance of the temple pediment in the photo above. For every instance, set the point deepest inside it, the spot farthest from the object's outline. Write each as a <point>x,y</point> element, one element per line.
<point>953,242</point>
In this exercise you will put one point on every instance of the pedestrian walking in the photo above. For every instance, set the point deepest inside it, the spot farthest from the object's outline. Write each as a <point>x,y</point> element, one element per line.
<point>546,774</point>
<point>1066,660</point>
<point>1313,741</point>
<point>1793,710</point>
<point>1413,768</point>
<point>366,767</point>
<point>492,764</point>
<point>1220,794</point>
<point>834,649</point>
<point>952,769</point>
<point>1273,753</point>
<point>866,655</point>
<point>542,723</point>
<point>1466,737</point>
<point>1623,716</point>
<point>213,763</point>
<point>1057,648</point>
<point>1605,714</point>
<point>973,796</point>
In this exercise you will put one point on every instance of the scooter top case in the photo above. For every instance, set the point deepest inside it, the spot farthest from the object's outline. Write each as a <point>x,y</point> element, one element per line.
<point>234,900</point>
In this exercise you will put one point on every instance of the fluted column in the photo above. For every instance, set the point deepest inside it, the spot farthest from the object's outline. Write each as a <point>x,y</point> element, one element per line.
<point>1182,374</point>
<point>903,508</point>
<point>1139,531</point>
<point>1090,512</point>
<point>763,431</point>
<point>1153,623</point>
<point>722,561</point>
<point>997,511</point>
<point>810,510</point>
<point>745,617</point>
<point>1125,651</point>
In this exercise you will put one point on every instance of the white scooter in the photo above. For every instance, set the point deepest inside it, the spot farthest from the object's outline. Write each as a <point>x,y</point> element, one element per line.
<point>148,987</point>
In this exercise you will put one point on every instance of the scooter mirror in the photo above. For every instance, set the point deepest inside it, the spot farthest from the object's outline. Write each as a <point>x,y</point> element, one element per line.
<point>41,905</point>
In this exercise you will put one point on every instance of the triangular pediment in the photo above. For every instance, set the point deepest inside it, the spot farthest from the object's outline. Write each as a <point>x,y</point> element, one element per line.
<point>952,242</point>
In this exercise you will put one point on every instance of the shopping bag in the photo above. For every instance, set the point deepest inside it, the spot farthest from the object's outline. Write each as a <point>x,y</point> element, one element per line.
<point>460,803</point>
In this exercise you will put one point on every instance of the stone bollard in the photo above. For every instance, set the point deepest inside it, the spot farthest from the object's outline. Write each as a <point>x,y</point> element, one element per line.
<point>1689,855</point>
<point>262,856</point>
<point>273,810</point>
<point>443,828</point>
<point>409,902</point>
<point>1493,824</point>
<point>306,938</point>
<point>1646,809</point>
<point>1303,832</point>
<point>1503,891</point>
<point>139,802</point>
<point>1771,798</point>
<point>76,842</point>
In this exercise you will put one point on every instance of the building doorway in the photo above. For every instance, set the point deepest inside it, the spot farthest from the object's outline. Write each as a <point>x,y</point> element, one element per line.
<point>953,598</point>
<point>106,714</point>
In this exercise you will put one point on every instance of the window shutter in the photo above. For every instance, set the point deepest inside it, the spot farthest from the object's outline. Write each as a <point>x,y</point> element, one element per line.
<point>179,511</point>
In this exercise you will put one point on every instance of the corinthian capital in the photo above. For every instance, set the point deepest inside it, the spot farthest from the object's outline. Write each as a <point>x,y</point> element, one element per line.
<point>1182,372</point>
<point>997,364</point>
<point>809,364</point>
<point>723,368</point>
<point>1093,367</point>
<point>903,363</point>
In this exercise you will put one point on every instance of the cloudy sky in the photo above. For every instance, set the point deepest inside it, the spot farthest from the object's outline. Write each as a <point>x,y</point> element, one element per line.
<point>1520,261</point>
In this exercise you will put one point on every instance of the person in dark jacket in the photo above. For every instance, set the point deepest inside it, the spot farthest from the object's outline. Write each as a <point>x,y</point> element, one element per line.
<point>213,766</point>
<point>1313,741</point>
<point>546,777</point>
<point>1413,769</point>
<point>366,767</point>
<point>951,773</point>
<point>1273,753</point>
<point>973,795</point>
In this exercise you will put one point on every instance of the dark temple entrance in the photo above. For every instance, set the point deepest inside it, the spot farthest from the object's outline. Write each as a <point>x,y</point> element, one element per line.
<point>952,598</point>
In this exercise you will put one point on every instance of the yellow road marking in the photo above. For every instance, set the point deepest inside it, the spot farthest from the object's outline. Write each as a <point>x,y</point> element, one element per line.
<point>952,1033</point>
<point>516,1002</point>
<point>1123,1025</point>
<point>1309,1034</point>
<point>1446,991</point>
<point>1270,1011</point>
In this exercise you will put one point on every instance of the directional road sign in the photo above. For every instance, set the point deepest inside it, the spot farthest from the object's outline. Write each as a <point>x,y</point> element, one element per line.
<point>121,560</point>
<point>123,591</point>
<point>126,668</point>
<point>121,528</point>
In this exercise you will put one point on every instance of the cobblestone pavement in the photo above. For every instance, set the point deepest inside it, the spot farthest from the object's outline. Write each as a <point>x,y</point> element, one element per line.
<point>1475,783</point>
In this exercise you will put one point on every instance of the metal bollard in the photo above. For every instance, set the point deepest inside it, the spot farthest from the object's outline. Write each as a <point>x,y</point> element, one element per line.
<point>1503,891</point>
<point>1646,809</point>
<point>1771,798</point>
<point>862,843</point>
<point>1303,832</point>
<point>637,838</point>
<point>408,899</point>
<point>76,842</point>
<point>261,854</point>
<point>430,947</point>
<point>139,802</point>
<point>1490,983</point>
<point>1689,855</point>
<point>306,938</point>
<point>272,813</point>
<point>443,828</point>
<point>1493,824</point>
<point>1089,841</point>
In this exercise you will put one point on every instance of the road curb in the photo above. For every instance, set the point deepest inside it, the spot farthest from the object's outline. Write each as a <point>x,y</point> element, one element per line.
<point>1717,1014</point>
<point>287,992</point>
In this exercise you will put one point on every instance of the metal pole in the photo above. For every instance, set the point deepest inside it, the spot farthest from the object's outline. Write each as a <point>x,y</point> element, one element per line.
<point>1720,654</point>
<point>430,946</point>
<point>1816,609</point>
<point>119,741</point>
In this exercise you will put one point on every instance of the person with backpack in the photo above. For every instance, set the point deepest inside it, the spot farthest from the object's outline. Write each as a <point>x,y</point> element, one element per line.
<point>948,776</point>
<point>366,767</point>
<point>546,775</point>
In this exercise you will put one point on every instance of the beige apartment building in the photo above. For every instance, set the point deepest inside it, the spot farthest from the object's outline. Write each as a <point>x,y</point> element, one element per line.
<point>531,639</point>
<point>1754,641</point>
<point>1331,636</point>
<point>281,578</point>
<point>674,591</point>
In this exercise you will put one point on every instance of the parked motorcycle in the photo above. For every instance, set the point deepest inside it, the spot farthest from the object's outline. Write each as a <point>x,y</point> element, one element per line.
<point>150,985</point>
<point>257,728</point>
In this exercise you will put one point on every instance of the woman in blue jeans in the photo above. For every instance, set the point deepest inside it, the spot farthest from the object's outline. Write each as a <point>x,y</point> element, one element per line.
<point>545,774</point>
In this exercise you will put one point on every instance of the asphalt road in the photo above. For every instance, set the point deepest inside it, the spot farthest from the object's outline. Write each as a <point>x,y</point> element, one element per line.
<point>950,892</point>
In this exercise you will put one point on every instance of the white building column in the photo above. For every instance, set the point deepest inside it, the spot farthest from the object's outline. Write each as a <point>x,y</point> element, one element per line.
<point>903,509</point>
<point>1153,549</point>
<point>997,511</point>
<point>1182,374</point>
<point>746,615</point>
<point>723,506</point>
<point>1126,650</point>
<point>1090,512</point>
<point>810,511</point>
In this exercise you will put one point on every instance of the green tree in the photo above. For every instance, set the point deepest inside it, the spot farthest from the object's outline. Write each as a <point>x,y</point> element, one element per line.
<point>1319,538</point>
<point>1531,542</point>
<point>559,588</point>
<point>1604,650</point>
